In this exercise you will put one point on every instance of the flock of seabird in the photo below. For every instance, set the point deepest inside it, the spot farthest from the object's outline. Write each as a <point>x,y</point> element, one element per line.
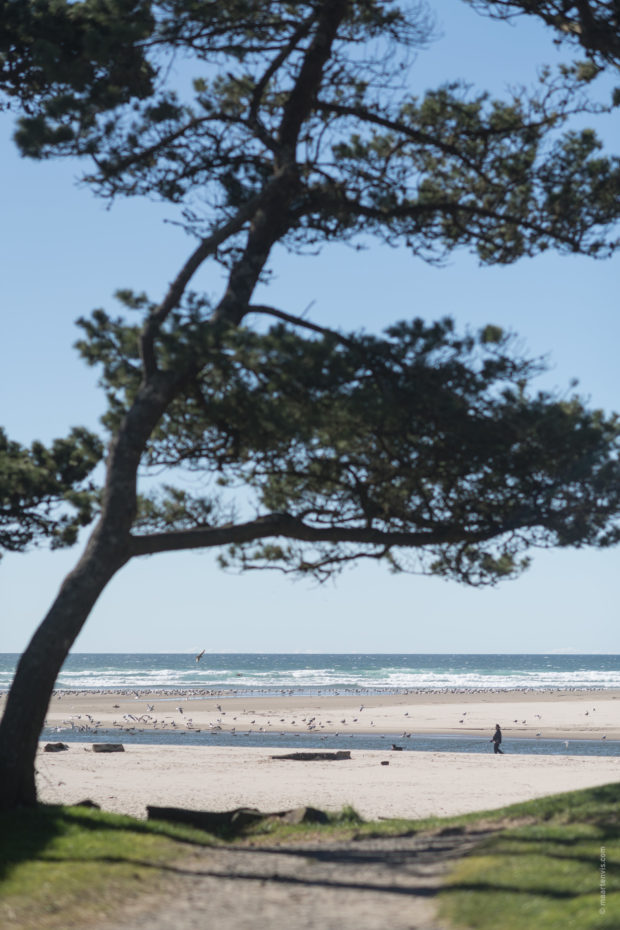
<point>132,723</point>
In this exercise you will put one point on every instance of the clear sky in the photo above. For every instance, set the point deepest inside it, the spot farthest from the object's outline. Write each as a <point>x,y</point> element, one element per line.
<point>64,254</point>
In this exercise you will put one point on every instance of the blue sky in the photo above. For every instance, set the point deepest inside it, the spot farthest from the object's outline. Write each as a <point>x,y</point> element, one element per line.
<point>65,254</point>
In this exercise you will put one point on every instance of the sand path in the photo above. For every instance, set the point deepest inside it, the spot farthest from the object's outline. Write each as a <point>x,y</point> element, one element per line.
<point>366,884</point>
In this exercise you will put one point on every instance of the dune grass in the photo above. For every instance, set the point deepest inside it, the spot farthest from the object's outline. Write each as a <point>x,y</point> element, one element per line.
<point>559,870</point>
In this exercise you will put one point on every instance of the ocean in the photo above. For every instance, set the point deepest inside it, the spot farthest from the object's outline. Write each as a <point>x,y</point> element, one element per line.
<point>329,674</point>
<point>326,673</point>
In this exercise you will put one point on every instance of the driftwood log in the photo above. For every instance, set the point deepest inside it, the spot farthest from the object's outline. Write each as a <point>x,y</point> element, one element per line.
<point>316,756</point>
<point>235,821</point>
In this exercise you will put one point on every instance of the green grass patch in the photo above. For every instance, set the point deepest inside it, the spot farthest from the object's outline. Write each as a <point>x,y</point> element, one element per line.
<point>546,873</point>
<point>541,869</point>
<point>58,864</point>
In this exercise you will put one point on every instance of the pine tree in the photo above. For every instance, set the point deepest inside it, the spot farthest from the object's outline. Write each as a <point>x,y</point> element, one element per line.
<point>422,447</point>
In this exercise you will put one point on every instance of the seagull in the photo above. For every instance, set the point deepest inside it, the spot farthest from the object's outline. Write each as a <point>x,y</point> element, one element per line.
<point>200,655</point>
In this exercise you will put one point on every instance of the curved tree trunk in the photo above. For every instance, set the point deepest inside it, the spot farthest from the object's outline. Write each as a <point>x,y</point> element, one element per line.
<point>110,545</point>
<point>38,670</point>
<point>108,549</point>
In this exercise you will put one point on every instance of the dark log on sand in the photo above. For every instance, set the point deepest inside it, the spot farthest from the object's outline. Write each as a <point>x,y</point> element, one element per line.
<point>316,756</point>
<point>235,821</point>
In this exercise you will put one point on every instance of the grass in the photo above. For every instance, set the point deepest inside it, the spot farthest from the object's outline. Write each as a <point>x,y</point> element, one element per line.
<point>545,873</point>
<point>60,866</point>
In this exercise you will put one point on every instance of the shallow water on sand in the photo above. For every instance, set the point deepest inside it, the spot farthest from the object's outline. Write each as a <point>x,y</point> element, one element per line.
<point>333,741</point>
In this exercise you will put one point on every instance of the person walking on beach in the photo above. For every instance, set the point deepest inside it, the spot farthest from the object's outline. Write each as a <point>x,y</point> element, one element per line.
<point>497,739</point>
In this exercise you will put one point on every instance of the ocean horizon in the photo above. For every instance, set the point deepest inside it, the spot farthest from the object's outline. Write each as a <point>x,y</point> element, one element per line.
<point>329,673</point>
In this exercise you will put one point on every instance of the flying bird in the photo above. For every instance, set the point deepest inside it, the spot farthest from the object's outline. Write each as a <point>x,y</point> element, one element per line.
<point>200,655</point>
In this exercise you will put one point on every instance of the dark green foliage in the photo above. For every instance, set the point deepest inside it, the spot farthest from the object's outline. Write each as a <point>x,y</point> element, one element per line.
<point>294,126</point>
<point>66,63</point>
<point>449,169</point>
<point>419,440</point>
<point>44,492</point>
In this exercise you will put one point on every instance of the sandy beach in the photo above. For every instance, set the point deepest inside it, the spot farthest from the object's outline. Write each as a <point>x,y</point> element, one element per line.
<point>414,784</point>
<point>552,714</point>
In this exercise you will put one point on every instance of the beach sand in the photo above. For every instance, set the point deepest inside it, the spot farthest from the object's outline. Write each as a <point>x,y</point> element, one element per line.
<point>551,714</point>
<point>414,784</point>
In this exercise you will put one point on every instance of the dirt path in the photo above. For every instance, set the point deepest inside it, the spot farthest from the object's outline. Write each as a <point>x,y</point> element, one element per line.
<point>367,884</point>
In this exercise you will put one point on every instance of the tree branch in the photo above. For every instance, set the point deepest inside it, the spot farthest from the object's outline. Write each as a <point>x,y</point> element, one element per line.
<point>298,321</point>
<point>272,221</point>
<point>308,81</point>
<point>287,526</point>
<point>135,157</point>
<point>207,247</point>
<point>253,119</point>
<point>415,135</point>
<point>326,201</point>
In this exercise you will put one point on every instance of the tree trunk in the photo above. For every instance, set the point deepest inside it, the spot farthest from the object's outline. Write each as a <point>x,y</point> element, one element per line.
<point>108,549</point>
<point>110,544</point>
<point>38,670</point>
